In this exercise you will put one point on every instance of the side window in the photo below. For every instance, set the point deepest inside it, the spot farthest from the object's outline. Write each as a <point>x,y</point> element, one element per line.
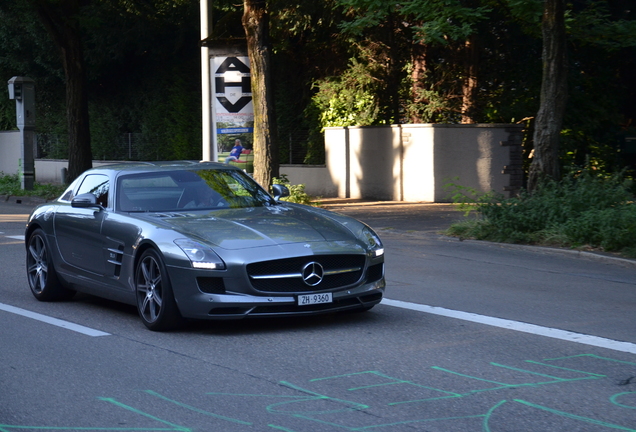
<point>98,185</point>
<point>67,195</point>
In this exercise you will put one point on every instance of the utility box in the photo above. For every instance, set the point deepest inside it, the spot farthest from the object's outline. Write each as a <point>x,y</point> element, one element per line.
<point>22,89</point>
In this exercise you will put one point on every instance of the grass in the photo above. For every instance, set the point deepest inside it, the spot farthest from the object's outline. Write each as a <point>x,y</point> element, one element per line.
<point>10,185</point>
<point>581,212</point>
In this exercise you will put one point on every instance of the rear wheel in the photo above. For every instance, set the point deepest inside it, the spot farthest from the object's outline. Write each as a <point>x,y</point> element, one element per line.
<point>155,300</point>
<point>41,274</point>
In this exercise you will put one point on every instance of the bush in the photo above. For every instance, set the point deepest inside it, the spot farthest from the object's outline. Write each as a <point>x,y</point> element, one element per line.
<point>581,211</point>
<point>297,193</point>
<point>10,185</point>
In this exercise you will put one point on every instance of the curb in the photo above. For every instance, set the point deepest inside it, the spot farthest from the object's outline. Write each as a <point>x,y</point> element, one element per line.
<point>28,200</point>
<point>596,256</point>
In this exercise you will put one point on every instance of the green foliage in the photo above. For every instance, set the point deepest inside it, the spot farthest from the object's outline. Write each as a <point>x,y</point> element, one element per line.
<point>297,193</point>
<point>349,100</point>
<point>168,122</point>
<point>431,104</point>
<point>10,185</point>
<point>467,198</point>
<point>595,24</point>
<point>434,21</point>
<point>143,70</point>
<point>336,63</point>
<point>583,211</point>
<point>7,112</point>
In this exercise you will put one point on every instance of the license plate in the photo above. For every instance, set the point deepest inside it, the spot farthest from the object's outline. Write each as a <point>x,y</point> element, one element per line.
<point>310,299</point>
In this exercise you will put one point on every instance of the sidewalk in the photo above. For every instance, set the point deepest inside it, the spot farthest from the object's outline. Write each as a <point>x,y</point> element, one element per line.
<point>12,205</point>
<point>398,215</point>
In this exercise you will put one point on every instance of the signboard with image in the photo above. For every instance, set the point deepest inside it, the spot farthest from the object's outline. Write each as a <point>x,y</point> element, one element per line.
<point>232,107</point>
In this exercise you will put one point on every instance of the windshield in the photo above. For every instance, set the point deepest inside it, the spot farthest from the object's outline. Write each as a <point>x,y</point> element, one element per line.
<point>177,190</point>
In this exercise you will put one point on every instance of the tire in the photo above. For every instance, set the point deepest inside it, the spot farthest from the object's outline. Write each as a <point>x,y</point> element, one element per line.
<point>155,300</point>
<point>41,274</point>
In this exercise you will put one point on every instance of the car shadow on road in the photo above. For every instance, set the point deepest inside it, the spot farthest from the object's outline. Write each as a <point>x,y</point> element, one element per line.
<point>241,327</point>
<point>252,326</point>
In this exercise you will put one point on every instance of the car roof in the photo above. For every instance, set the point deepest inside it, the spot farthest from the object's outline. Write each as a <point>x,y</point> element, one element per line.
<point>145,167</point>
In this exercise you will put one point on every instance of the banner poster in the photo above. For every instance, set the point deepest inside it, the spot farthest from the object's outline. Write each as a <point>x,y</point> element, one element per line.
<point>232,107</point>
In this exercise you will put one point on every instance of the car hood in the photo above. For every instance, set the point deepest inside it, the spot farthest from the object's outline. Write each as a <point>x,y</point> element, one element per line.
<point>261,226</point>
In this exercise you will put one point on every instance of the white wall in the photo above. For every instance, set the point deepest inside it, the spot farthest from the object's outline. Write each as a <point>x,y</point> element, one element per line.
<point>50,170</point>
<point>316,178</point>
<point>472,156</point>
<point>418,162</point>
<point>10,152</point>
<point>337,160</point>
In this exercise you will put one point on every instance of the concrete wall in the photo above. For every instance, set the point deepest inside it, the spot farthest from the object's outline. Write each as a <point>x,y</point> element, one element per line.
<point>417,162</point>
<point>337,161</point>
<point>10,152</point>
<point>472,156</point>
<point>417,165</point>
<point>50,170</point>
<point>316,178</point>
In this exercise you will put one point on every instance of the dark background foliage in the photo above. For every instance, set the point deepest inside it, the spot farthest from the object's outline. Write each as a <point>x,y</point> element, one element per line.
<point>334,59</point>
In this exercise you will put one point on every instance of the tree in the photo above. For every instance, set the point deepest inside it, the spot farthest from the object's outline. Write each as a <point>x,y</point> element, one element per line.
<point>61,20</point>
<point>427,23</point>
<point>256,25</point>
<point>549,121</point>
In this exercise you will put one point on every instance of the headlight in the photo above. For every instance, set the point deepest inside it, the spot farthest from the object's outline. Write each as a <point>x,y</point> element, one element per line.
<point>202,257</point>
<point>373,241</point>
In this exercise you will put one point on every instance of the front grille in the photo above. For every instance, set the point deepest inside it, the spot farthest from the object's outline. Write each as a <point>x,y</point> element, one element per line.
<point>375,272</point>
<point>211,285</point>
<point>285,275</point>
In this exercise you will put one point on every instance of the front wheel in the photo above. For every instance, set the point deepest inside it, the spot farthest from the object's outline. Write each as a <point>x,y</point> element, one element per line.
<point>155,300</point>
<point>41,274</point>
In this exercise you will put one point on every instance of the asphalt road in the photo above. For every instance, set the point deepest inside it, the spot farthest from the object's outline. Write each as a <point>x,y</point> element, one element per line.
<point>474,336</point>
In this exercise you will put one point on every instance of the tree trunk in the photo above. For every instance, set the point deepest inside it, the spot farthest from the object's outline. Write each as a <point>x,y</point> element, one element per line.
<point>256,25</point>
<point>549,121</point>
<point>394,73</point>
<point>469,86</point>
<point>418,74</point>
<point>62,23</point>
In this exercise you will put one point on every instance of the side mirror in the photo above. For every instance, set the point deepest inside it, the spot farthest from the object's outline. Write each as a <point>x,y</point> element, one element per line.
<point>85,200</point>
<point>280,191</point>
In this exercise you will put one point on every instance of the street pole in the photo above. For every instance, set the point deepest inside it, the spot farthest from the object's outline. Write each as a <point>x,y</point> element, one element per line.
<point>209,151</point>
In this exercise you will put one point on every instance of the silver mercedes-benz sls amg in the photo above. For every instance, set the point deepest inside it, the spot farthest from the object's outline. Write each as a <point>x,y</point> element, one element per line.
<point>190,240</point>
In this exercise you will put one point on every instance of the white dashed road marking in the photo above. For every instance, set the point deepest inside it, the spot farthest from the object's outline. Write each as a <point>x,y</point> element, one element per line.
<point>53,321</point>
<point>518,326</point>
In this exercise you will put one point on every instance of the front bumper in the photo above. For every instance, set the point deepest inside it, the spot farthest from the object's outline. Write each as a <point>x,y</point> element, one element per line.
<point>195,304</point>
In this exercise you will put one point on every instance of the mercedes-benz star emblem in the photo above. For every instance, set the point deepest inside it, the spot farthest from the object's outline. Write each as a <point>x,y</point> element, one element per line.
<point>313,273</point>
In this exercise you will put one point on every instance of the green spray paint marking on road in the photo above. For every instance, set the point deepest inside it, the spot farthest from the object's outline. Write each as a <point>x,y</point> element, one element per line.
<point>614,400</point>
<point>576,417</point>
<point>197,410</point>
<point>325,407</point>
<point>391,381</point>
<point>136,411</point>
<point>10,428</point>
